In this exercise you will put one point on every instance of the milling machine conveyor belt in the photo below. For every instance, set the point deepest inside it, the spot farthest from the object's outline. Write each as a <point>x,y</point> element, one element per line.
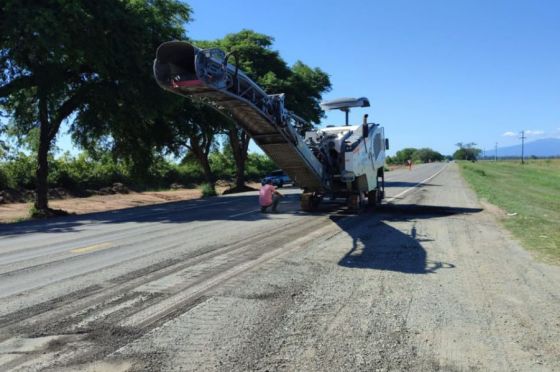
<point>206,75</point>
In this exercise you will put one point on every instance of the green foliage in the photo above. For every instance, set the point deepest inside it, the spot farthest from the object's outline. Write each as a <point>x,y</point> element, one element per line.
<point>20,171</point>
<point>195,126</point>
<point>402,156</point>
<point>4,179</point>
<point>303,85</point>
<point>84,172</point>
<point>391,160</point>
<point>466,152</point>
<point>258,165</point>
<point>426,155</point>
<point>222,165</point>
<point>423,155</point>
<point>94,67</point>
<point>207,190</point>
<point>33,211</point>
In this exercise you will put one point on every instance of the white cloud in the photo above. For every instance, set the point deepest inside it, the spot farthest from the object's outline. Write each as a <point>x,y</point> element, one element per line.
<point>509,134</point>
<point>533,133</point>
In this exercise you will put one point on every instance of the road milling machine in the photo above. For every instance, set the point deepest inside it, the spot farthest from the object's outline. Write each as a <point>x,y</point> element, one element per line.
<point>336,161</point>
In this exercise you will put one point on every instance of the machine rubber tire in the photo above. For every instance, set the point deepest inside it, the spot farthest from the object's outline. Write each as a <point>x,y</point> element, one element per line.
<point>310,201</point>
<point>373,198</point>
<point>354,202</point>
<point>307,201</point>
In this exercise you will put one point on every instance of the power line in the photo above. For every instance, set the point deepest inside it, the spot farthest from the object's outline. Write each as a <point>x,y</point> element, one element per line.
<point>522,146</point>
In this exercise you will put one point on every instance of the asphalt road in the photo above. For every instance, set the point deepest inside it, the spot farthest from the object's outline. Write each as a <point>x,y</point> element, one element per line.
<point>428,281</point>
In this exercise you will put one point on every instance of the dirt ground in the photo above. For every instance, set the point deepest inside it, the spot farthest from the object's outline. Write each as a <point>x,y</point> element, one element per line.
<point>20,211</point>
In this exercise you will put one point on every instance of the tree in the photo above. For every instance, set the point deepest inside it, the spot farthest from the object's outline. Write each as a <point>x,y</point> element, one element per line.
<point>94,66</point>
<point>402,156</point>
<point>426,155</point>
<point>466,152</point>
<point>196,125</point>
<point>304,89</point>
<point>238,141</point>
<point>303,85</point>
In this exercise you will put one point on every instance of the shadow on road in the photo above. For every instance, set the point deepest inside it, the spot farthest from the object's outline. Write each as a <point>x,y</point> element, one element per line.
<point>379,246</point>
<point>212,209</point>
<point>229,208</point>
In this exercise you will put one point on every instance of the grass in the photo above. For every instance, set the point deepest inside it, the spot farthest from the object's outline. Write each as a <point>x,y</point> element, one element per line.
<point>532,191</point>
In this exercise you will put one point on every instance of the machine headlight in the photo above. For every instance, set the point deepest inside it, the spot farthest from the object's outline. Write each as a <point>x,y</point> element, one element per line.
<point>347,176</point>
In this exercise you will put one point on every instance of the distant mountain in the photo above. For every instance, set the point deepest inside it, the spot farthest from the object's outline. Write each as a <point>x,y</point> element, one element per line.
<point>542,147</point>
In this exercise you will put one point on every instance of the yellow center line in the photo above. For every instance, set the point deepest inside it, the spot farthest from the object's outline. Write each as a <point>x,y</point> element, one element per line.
<point>91,248</point>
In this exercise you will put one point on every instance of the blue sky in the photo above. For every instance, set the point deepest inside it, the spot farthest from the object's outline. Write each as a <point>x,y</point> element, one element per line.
<point>436,72</point>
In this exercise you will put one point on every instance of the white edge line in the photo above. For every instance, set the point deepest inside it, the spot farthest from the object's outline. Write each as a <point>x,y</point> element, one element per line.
<point>389,200</point>
<point>241,214</point>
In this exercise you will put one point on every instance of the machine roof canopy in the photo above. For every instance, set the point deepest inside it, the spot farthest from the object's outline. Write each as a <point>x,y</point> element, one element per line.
<point>345,103</point>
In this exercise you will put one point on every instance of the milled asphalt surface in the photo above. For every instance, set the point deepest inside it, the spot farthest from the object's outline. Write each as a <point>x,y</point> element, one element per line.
<point>428,281</point>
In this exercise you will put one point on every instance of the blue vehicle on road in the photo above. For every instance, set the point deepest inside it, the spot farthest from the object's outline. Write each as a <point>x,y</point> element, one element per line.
<point>278,177</point>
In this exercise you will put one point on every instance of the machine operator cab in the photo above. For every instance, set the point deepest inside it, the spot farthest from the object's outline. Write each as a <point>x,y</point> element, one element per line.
<point>353,156</point>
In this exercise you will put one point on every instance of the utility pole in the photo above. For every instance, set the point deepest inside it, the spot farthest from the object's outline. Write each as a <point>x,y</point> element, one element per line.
<point>522,146</point>
<point>496,152</point>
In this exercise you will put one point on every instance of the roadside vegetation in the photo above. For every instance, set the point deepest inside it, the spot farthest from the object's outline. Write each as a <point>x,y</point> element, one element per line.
<point>97,82</point>
<point>466,151</point>
<point>85,174</point>
<point>529,195</point>
<point>423,155</point>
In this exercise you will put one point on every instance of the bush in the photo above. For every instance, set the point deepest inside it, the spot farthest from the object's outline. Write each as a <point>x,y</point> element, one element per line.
<point>423,155</point>
<point>257,166</point>
<point>82,172</point>
<point>4,179</point>
<point>192,171</point>
<point>207,190</point>
<point>426,155</point>
<point>20,172</point>
<point>467,153</point>
<point>223,166</point>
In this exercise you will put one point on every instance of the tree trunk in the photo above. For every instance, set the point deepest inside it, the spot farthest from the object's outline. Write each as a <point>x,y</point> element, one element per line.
<point>208,175</point>
<point>202,157</point>
<point>239,174</point>
<point>239,142</point>
<point>41,197</point>
<point>42,173</point>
